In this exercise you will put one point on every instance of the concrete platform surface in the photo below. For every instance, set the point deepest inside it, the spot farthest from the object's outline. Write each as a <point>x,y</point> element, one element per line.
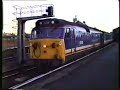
<point>101,72</point>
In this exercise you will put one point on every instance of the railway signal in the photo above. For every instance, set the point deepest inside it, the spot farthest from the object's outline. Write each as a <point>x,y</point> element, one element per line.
<point>50,11</point>
<point>21,25</point>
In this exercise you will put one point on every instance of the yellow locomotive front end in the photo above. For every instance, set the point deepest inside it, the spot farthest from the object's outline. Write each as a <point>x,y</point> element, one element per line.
<point>47,49</point>
<point>47,44</point>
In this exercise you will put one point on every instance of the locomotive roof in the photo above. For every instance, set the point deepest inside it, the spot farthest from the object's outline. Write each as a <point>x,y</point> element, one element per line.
<point>98,30</point>
<point>61,22</point>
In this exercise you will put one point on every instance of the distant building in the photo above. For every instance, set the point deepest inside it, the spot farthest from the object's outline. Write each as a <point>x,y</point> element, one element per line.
<point>8,35</point>
<point>116,34</point>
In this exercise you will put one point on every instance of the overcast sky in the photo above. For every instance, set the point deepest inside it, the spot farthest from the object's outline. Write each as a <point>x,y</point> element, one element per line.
<point>102,14</point>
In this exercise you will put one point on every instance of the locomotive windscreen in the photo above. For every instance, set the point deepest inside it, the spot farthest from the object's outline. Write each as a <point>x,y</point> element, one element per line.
<point>47,32</point>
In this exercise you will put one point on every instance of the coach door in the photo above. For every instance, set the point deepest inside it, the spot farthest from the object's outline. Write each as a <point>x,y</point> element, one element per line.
<point>73,40</point>
<point>70,40</point>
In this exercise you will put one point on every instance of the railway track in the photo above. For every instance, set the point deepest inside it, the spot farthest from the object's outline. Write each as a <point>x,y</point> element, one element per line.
<point>10,77</point>
<point>9,58</point>
<point>10,53</point>
<point>15,71</point>
<point>12,63</point>
<point>14,48</point>
<point>12,57</point>
<point>41,76</point>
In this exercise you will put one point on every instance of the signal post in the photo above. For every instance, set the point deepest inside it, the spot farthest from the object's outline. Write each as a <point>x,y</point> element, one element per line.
<point>21,31</point>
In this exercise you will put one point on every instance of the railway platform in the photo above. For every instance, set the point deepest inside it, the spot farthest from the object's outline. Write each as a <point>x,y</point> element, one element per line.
<point>102,72</point>
<point>96,70</point>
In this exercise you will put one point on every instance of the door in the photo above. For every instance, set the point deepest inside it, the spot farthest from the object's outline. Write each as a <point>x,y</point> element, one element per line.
<point>73,40</point>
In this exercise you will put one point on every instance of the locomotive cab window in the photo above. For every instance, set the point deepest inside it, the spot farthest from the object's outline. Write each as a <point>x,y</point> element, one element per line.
<point>34,34</point>
<point>47,32</point>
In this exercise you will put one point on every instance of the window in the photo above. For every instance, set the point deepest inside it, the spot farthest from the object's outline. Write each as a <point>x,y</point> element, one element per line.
<point>34,34</point>
<point>52,33</point>
<point>72,33</point>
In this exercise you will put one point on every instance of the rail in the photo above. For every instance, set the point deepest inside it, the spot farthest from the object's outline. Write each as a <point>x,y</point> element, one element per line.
<point>13,48</point>
<point>11,52</point>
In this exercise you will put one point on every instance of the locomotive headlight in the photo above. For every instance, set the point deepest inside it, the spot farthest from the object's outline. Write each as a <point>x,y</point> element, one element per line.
<point>44,46</point>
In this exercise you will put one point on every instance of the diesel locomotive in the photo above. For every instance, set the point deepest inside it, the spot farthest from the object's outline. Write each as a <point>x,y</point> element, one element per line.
<point>56,41</point>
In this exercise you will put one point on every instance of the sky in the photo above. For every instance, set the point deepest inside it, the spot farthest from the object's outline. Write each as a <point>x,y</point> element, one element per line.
<point>102,14</point>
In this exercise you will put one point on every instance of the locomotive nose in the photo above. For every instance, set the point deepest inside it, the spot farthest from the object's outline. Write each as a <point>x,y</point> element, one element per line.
<point>49,49</point>
<point>55,45</point>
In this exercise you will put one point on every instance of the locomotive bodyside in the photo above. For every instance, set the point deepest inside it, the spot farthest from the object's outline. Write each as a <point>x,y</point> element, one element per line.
<point>77,39</point>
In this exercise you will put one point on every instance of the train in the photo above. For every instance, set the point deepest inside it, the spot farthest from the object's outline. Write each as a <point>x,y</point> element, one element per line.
<point>116,34</point>
<point>56,41</point>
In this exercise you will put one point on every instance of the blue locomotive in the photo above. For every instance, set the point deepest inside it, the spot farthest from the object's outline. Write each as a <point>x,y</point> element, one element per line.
<point>55,40</point>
